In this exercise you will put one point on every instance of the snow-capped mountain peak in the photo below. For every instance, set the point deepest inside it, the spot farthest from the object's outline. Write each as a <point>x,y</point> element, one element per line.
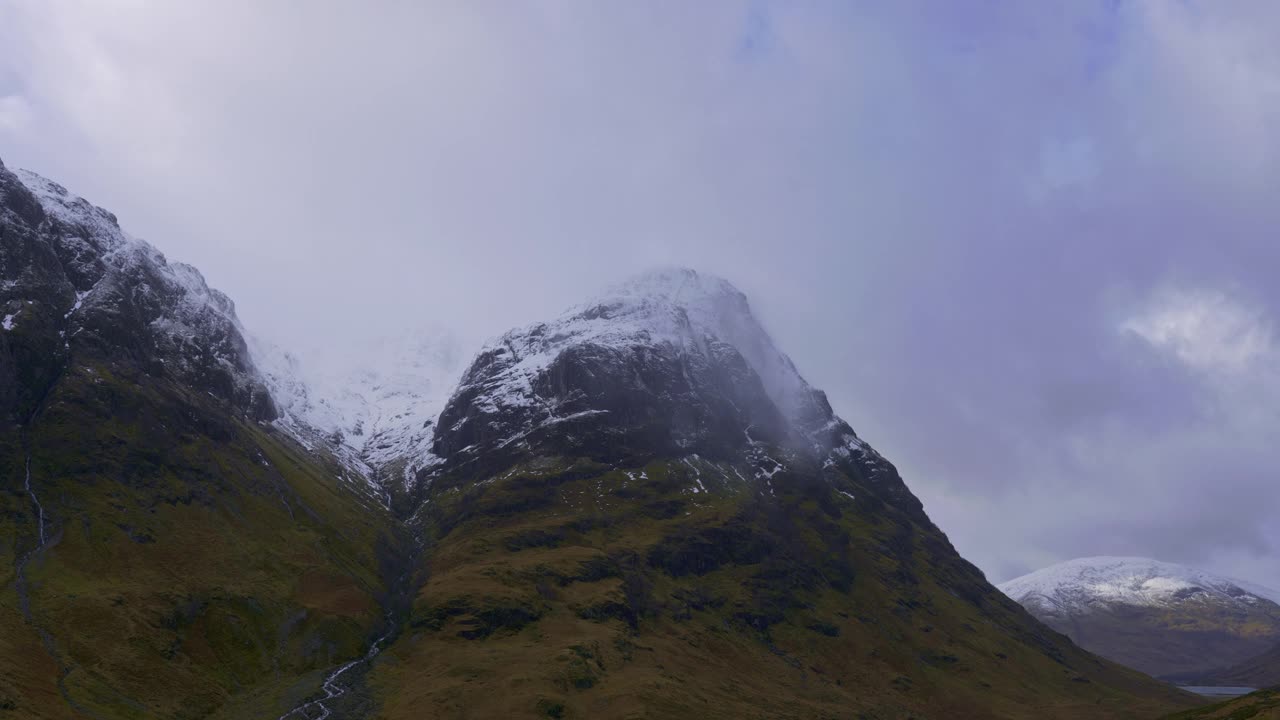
<point>674,306</point>
<point>1083,584</point>
<point>683,304</point>
<point>673,356</point>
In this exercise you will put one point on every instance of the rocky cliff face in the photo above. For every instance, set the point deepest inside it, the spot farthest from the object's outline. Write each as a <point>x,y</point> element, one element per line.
<point>74,285</point>
<point>671,363</point>
<point>1164,619</point>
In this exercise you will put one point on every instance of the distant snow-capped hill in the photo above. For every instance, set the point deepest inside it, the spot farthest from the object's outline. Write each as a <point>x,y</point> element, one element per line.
<point>1084,584</point>
<point>1161,618</point>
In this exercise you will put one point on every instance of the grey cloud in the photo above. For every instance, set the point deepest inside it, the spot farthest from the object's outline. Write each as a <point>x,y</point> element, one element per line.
<point>945,214</point>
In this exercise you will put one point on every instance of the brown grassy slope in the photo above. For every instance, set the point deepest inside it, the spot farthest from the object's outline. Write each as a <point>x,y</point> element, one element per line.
<point>567,589</point>
<point>1262,670</point>
<point>195,566</point>
<point>1264,705</point>
<point>1183,641</point>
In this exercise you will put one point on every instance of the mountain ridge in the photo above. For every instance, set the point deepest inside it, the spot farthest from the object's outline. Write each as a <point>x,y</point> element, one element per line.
<point>1166,619</point>
<point>1131,579</point>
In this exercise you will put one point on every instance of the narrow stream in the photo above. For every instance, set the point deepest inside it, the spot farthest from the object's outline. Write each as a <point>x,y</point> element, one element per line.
<point>24,601</point>
<point>331,688</point>
<point>397,608</point>
<point>36,500</point>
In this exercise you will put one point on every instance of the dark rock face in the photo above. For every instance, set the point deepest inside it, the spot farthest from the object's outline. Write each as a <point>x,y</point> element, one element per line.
<point>672,365</point>
<point>608,401</point>
<point>75,288</point>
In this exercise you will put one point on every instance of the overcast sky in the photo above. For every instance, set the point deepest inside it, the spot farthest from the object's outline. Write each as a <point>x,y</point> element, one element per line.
<point>1029,249</point>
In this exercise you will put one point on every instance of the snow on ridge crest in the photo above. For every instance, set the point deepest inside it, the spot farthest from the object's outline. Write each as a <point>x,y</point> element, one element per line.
<point>1077,585</point>
<point>104,263</point>
<point>74,210</point>
<point>679,306</point>
<point>119,249</point>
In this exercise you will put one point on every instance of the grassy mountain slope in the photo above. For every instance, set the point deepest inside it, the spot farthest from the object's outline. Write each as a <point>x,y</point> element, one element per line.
<point>1177,642</point>
<point>570,588</point>
<point>194,565</point>
<point>1262,670</point>
<point>1264,705</point>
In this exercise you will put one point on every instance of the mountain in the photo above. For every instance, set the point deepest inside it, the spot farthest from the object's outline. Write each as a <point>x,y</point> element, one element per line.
<point>165,552</point>
<point>638,509</point>
<point>1164,619</point>
<point>641,509</point>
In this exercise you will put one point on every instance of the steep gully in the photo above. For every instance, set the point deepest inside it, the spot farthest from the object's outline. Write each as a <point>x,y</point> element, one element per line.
<point>36,500</point>
<point>331,689</point>
<point>334,698</point>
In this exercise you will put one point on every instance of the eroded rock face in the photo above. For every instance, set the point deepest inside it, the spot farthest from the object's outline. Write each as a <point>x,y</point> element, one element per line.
<point>604,401</point>
<point>671,363</point>
<point>74,286</point>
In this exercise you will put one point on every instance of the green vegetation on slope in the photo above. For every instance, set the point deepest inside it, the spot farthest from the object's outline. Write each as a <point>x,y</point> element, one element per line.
<point>570,589</point>
<point>1262,670</point>
<point>195,565</point>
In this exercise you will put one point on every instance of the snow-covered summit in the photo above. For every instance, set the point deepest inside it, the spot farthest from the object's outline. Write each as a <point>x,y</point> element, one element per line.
<point>1084,584</point>
<point>679,307</point>
<point>697,306</point>
<point>672,360</point>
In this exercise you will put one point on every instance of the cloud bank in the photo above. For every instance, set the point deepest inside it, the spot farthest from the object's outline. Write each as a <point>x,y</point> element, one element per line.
<point>1028,249</point>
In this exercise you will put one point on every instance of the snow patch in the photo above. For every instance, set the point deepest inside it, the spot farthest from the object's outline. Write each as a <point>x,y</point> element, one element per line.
<point>375,409</point>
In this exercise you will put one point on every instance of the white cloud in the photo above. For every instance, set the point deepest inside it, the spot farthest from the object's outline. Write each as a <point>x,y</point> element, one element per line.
<point>15,114</point>
<point>1205,329</point>
<point>863,175</point>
